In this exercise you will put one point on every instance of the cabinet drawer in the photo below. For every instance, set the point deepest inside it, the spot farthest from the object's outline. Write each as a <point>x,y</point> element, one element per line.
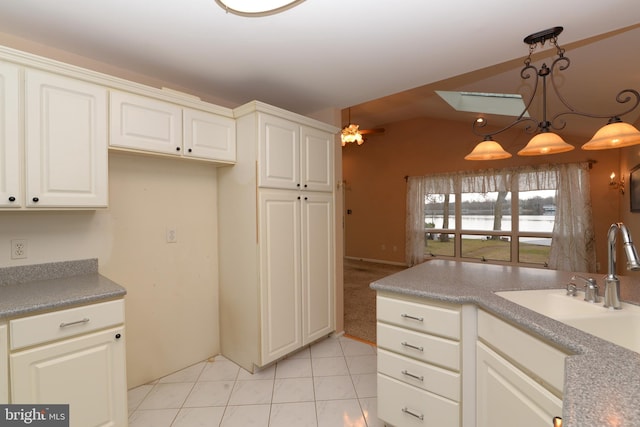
<point>428,348</point>
<point>544,362</point>
<point>400,404</point>
<point>437,319</point>
<point>65,323</point>
<point>427,377</point>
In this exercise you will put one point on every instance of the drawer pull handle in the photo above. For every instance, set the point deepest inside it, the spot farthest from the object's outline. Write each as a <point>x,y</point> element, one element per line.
<point>409,374</point>
<point>407,316</point>
<point>406,344</point>
<point>413,414</point>
<point>77,322</point>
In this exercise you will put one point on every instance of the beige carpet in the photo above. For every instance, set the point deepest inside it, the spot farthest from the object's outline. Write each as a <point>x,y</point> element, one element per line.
<point>359,299</point>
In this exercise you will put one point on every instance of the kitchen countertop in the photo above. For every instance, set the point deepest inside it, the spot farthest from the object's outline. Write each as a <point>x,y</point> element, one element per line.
<point>602,380</point>
<point>30,289</point>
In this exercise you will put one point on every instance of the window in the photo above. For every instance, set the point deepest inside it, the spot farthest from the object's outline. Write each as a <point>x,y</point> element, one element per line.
<point>487,229</point>
<point>511,216</point>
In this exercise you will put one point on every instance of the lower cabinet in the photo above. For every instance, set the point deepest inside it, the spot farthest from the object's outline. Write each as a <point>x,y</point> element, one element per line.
<point>419,362</point>
<point>75,357</point>
<point>4,365</point>
<point>442,364</point>
<point>519,378</point>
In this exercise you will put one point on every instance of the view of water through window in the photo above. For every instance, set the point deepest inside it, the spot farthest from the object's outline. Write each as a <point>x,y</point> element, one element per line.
<point>485,227</point>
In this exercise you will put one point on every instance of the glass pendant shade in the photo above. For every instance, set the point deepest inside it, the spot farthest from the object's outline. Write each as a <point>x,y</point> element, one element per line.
<point>545,143</point>
<point>613,135</point>
<point>488,150</point>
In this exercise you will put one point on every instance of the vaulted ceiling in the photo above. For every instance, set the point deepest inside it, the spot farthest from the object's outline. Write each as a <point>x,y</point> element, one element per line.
<point>384,58</point>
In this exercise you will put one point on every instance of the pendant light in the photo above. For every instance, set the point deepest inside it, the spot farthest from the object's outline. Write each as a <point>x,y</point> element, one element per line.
<point>488,150</point>
<point>615,134</point>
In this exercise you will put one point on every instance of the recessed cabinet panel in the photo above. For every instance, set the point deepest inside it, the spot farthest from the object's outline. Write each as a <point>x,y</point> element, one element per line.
<point>280,272</point>
<point>279,153</point>
<point>317,271</point>
<point>4,365</point>
<point>147,124</point>
<point>316,165</point>
<point>66,142</point>
<point>87,371</point>
<point>10,143</point>
<point>507,396</point>
<point>209,136</point>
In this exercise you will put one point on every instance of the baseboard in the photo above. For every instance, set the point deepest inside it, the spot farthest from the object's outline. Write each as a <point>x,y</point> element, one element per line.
<point>378,261</point>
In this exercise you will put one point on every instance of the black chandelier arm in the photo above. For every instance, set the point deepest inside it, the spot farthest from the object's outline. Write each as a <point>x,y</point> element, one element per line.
<point>526,73</point>
<point>623,97</point>
<point>562,63</point>
<point>476,125</point>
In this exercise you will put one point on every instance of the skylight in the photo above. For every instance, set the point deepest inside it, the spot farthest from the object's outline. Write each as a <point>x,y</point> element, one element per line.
<point>505,104</point>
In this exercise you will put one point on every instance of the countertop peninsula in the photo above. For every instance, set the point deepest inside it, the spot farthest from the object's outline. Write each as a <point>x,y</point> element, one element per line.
<point>602,380</point>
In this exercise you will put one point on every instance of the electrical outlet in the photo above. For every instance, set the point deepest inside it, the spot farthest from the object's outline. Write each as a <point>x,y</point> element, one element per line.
<point>172,235</point>
<point>18,248</point>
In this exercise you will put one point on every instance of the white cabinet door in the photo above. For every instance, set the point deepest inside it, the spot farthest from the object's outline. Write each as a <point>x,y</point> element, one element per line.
<point>4,365</point>
<point>66,142</point>
<point>209,136</point>
<point>281,321</point>
<point>507,397</point>
<point>146,124</point>
<point>317,265</point>
<point>87,372</point>
<point>10,143</point>
<point>316,160</point>
<point>279,152</point>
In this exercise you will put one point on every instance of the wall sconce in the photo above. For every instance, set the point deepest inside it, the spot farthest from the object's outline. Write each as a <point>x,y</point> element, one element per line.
<point>616,185</point>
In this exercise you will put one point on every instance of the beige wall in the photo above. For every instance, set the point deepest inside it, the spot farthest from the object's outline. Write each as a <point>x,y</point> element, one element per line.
<point>172,288</point>
<point>630,158</point>
<point>375,188</point>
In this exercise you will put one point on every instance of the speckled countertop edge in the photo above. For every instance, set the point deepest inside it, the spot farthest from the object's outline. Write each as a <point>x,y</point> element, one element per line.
<point>27,290</point>
<point>602,380</point>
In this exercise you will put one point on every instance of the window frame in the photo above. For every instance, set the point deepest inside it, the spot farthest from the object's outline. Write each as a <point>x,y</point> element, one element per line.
<point>514,234</point>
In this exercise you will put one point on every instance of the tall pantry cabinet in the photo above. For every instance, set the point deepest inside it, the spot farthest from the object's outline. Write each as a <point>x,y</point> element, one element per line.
<point>277,231</point>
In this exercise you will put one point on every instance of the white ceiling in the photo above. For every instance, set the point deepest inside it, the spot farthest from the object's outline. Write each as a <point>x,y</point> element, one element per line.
<point>326,54</point>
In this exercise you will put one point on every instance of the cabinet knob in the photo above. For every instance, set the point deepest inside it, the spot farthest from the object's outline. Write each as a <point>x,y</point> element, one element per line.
<point>299,197</point>
<point>190,150</point>
<point>118,336</point>
<point>177,148</point>
<point>306,198</point>
<point>12,199</point>
<point>305,186</point>
<point>298,185</point>
<point>35,200</point>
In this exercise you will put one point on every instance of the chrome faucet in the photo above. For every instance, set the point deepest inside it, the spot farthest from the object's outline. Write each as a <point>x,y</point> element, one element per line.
<point>611,281</point>
<point>590,288</point>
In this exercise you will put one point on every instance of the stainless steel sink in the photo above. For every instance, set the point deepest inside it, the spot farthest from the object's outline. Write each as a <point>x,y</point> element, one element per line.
<point>621,327</point>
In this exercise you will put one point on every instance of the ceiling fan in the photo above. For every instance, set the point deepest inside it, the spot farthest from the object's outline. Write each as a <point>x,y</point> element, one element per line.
<point>353,133</point>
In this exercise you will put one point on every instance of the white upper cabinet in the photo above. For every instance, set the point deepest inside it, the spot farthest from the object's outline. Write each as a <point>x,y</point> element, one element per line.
<point>209,136</point>
<point>146,124</point>
<point>143,123</point>
<point>294,156</point>
<point>10,143</point>
<point>279,152</point>
<point>316,159</point>
<point>65,142</point>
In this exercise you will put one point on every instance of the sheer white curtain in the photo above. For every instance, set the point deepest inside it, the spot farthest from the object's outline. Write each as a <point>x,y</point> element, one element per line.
<point>573,242</point>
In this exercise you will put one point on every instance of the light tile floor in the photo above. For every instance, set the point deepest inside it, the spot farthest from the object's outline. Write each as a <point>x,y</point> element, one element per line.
<point>330,384</point>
